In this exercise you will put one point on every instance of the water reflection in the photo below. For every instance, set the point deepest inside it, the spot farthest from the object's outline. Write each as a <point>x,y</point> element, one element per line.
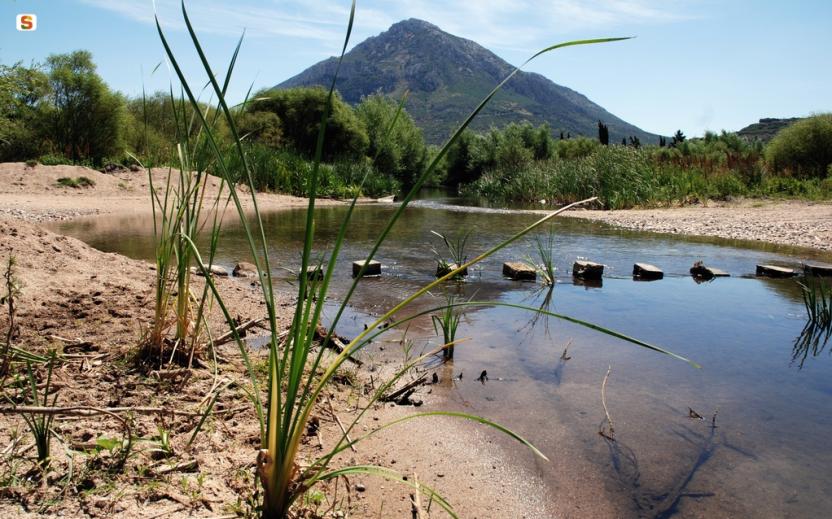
<point>812,340</point>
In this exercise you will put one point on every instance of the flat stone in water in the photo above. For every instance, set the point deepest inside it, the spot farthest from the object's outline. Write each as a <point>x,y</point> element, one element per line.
<point>775,271</point>
<point>373,268</point>
<point>446,268</point>
<point>703,272</point>
<point>582,269</point>
<point>647,271</point>
<point>817,269</point>
<point>517,270</point>
<point>244,269</point>
<point>215,270</point>
<point>314,272</point>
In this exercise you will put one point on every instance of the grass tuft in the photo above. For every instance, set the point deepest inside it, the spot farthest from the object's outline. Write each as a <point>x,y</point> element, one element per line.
<point>76,183</point>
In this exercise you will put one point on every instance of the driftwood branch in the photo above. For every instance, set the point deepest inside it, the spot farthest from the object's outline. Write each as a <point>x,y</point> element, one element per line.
<point>334,343</point>
<point>396,395</point>
<point>229,335</point>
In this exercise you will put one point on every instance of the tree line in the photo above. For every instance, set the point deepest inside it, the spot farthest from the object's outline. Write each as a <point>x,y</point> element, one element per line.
<point>62,111</point>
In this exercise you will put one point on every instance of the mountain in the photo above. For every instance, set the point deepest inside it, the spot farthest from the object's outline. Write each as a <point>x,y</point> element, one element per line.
<point>447,76</point>
<point>766,129</point>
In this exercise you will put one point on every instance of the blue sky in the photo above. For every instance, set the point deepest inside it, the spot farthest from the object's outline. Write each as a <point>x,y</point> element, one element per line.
<point>695,64</point>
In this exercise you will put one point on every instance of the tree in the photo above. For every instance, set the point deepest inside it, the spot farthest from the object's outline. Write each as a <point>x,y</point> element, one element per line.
<point>300,110</point>
<point>401,153</point>
<point>85,118</point>
<point>513,155</point>
<point>678,138</point>
<point>262,127</point>
<point>662,142</point>
<point>635,142</point>
<point>603,133</point>
<point>459,159</point>
<point>22,91</point>
<point>542,144</point>
<point>803,148</point>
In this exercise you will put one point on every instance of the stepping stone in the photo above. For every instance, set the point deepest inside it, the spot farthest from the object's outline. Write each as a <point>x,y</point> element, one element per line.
<point>373,268</point>
<point>700,271</point>
<point>444,269</point>
<point>587,270</point>
<point>315,272</point>
<point>817,269</point>
<point>647,271</point>
<point>244,269</point>
<point>518,271</point>
<point>774,271</point>
<point>215,270</point>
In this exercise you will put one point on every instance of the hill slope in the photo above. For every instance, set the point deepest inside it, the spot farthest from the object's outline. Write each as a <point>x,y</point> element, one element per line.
<point>766,129</point>
<point>447,76</point>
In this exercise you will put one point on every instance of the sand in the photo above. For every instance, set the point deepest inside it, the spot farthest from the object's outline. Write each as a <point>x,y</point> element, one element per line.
<point>33,194</point>
<point>793,223</point>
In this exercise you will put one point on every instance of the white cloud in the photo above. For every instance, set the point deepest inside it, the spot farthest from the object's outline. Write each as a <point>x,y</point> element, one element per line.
<point>506,24</point>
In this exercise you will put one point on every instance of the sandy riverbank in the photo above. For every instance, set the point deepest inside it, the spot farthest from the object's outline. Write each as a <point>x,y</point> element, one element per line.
<point>794,223</point>
<point>33,194</point>
<point>94,307</point>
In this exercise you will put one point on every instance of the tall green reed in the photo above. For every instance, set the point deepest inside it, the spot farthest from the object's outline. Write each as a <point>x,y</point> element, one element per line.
<point>179,208</point>
<point>545,261</point>
<point>40,424</point>
<point>447,320</point>
<point>455,246</point>
<point>294,385</point>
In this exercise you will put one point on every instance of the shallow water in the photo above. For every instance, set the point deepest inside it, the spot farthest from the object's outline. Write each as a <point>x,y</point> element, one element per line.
<point>767,455</point>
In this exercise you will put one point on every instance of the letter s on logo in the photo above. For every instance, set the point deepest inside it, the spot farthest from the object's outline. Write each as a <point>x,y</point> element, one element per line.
<point>26,22</point>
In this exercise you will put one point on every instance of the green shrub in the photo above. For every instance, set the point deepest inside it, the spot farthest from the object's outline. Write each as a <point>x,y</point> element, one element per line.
<point>576,148</point>
<point>261,127</point>
<point>281,171</point>
<point>31,163</point>
<point>728,185</point>
<point>804,148</point>
<point>76,183</point>
<point>54,160</point>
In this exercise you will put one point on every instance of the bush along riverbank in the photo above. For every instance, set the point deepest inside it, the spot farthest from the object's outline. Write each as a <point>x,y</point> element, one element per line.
<point>514,166</point>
